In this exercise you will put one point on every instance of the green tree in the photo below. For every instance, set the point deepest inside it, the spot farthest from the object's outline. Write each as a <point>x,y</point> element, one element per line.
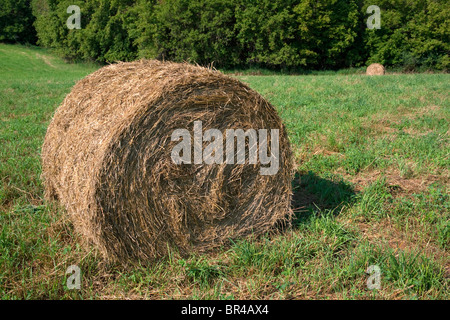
<point>279,34</point>
<point>413,34</point>
<point>107,29</point>
<point>307,33</point>
<point>197,31</point>
<point>16,21</point>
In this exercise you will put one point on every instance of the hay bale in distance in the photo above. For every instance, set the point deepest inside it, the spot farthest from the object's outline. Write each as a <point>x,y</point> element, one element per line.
<point>375,69</point>
<point>107,159</point>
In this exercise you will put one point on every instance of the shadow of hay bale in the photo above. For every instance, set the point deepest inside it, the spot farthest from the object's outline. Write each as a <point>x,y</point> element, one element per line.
<point>312,193</point>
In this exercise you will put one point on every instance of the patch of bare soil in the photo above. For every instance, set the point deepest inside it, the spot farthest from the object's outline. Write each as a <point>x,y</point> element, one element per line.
<point>394,179</point>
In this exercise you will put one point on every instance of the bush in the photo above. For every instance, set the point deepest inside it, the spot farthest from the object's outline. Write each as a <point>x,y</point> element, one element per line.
<point>312,34</point>
<point>413,34</point>
<point>106,33</point>
<point>16,22</point>
<point>197,31</point>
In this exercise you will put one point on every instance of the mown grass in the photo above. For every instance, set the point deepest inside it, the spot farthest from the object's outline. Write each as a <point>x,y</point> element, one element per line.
<point>372,157</point>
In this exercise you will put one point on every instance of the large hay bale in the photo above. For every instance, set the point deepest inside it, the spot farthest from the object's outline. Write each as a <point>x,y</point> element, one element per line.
<point>107,158</point>
<point>375,69</point>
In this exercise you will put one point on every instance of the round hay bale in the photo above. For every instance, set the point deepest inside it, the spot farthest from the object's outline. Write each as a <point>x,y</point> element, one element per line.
<point>107,159</point>
<point>375,69</point>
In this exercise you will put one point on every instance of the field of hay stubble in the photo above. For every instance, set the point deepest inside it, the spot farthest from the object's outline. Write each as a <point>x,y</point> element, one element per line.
<point>372,188</point>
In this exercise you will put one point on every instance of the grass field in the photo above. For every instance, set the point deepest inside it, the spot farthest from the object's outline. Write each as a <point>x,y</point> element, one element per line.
<point>372,188</point>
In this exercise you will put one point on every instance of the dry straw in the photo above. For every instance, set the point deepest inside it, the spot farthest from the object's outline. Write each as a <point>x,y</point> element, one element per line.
<point>107,159</point>
<point>375,69</point>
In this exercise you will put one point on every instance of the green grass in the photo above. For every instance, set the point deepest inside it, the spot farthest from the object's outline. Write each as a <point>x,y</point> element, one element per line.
<point>372,188</point>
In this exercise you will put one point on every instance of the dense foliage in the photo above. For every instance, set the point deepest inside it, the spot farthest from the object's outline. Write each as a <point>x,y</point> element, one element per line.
<point>413,33</point>
<point>16,21</point>
<point>278,34</point>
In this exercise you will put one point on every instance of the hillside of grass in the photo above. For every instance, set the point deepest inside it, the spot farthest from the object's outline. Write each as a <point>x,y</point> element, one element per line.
<point>371,189</point>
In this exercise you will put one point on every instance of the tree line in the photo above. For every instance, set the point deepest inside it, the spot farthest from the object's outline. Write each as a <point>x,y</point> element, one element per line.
<point>275,34</point>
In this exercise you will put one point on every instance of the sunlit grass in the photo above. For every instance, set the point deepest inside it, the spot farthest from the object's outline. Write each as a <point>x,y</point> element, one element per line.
<point>371,189</point>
